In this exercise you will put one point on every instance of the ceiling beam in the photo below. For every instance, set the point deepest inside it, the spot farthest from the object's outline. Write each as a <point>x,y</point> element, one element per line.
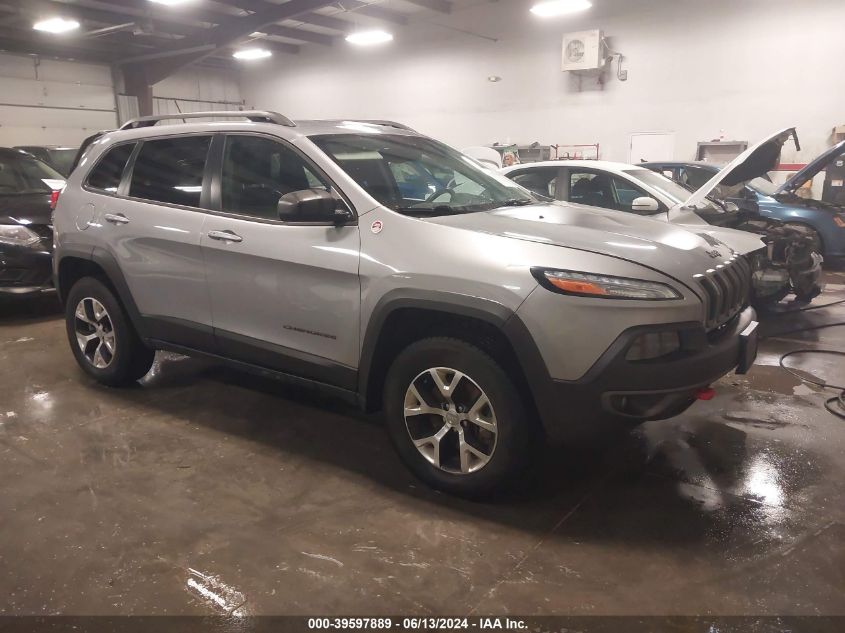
<point>444,6</point>
<point>59,52</point>
<point>225,35</point>
<point>326,22</point>
<point>190,16</point>
<point>17,41</point>
<point>107,17</point>
<point>375,11</point>
<point>298,34</point>
<point>332,22</point>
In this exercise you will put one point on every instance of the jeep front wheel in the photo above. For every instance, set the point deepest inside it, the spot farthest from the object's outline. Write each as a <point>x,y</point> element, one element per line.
<point>456,419</point>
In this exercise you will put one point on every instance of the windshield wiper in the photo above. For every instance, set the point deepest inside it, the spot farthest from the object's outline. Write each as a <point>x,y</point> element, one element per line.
<point>516,202</point>
<point>440,209</point>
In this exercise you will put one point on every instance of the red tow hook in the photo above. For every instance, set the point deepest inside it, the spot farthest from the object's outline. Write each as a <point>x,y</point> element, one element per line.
<point>705,393</point>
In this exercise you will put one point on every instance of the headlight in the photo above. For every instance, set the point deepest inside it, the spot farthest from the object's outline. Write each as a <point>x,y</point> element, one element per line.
<point>17,235</point>
<point>603,286</point>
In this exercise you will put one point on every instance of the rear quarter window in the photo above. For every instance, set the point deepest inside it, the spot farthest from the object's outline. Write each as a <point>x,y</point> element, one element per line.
<point>108,172</point>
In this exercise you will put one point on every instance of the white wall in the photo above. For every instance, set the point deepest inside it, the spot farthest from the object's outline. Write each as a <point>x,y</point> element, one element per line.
<point>197,90</point>
<point>190,90</point>
<point>52,102</point>
<point>695,67</point>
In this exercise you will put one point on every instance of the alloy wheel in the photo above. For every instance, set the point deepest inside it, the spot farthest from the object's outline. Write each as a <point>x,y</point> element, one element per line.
<point>450,420</point>
<point>95,332</point>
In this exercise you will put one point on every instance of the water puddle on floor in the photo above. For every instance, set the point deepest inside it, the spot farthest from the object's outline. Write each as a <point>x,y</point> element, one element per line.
<point>214,593</point>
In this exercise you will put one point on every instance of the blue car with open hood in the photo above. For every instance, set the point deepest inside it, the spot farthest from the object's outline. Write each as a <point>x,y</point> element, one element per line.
<point>822,221</point>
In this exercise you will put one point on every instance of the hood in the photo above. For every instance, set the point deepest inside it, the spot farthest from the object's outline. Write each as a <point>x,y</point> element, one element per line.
<point>754,162</point>
<point>740,241</point>
<point>810,171</point>
<point>665,247</point>
<point>30,208</point>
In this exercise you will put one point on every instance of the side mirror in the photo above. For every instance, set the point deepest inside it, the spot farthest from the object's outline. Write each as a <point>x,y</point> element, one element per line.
<point>645,204</point>
<point>312,205</point>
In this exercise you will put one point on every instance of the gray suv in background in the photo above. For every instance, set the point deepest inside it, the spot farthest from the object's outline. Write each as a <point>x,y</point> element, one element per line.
<point>393,271</point>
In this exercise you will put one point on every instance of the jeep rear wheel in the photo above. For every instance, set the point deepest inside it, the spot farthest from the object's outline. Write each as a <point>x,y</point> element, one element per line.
<point>456,419</point>
<point>101,336</point>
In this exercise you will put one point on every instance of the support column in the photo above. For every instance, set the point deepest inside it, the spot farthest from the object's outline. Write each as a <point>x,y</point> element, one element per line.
<point>137,85</point>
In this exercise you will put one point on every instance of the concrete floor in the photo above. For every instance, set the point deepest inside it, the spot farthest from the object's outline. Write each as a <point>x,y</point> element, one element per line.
<point>203,491</point>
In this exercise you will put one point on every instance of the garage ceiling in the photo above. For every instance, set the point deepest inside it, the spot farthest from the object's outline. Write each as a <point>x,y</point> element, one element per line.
<point>165,38</point>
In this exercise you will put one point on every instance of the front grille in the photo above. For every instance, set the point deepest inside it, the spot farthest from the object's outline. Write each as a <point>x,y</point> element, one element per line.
<point>727,289</point>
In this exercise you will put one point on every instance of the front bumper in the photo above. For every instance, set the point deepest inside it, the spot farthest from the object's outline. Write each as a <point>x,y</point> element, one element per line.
<point>617,390</point>
<point>25,271</point>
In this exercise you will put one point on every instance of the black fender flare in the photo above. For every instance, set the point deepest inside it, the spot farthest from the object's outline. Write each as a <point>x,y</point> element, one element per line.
<point>107,262</point>
<point>501,317</point>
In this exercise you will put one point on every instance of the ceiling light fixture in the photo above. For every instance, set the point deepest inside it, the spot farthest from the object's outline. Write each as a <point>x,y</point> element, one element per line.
<point>170,3</point>
<point>554,8</point>
<point>250,54</point>
<point>56,25</point>
<point>369,38</point>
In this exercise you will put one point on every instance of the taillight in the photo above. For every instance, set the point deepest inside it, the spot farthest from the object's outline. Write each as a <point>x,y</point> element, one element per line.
<point>54,199</point>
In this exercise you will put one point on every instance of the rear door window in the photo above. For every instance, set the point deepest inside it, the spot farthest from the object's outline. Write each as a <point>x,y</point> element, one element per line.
<point>106,176</point>
<point>171,170</point>
<point>541,180</point>
<point>590,188</point>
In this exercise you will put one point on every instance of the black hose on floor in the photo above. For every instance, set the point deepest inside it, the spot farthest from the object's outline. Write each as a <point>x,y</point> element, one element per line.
<point>807,308</point>
<point>835,405</point>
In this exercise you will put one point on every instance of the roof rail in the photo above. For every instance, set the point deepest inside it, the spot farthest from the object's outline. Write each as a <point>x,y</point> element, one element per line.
<point>256,116</point>
<point>398,126</point>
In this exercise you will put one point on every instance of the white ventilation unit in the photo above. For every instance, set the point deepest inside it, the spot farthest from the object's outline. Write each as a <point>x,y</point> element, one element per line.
<point>584,50</point>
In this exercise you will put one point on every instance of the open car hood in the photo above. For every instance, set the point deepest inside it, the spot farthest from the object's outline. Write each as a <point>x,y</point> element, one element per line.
<point>810,171</point>
<point>754,162</point>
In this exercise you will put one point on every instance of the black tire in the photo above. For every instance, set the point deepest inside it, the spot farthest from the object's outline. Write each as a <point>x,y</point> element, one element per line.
<point>131,359</point>
<point>516,439</point>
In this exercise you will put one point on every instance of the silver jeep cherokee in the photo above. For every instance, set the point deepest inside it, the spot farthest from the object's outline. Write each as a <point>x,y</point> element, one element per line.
<point>392,270</point>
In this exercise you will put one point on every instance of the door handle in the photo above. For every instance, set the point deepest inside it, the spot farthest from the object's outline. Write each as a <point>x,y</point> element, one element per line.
<point>225,236</point>
<point>116,218</point>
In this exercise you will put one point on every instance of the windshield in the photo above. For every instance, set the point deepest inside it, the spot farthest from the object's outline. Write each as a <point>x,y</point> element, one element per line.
<point>21,174</point>
<point>675,192</point>
<point>764,186</point>
<point>419,176</point>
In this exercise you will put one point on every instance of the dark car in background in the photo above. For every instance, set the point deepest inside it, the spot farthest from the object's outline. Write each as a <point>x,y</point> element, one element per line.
<point>822,221</point>
<point>59,158</point>
<point>28,189</point>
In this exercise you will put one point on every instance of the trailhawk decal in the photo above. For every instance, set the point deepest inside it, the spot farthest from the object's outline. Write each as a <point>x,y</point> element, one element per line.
<point>311,332</point>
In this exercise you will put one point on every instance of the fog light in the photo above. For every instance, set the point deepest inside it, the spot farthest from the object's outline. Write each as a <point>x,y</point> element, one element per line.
<point>654,345</point>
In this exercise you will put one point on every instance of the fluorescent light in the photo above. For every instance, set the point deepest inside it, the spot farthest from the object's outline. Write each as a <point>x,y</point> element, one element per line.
<point>56,25</point>
<point>368,38</point>
<point>553,8</point>
<point>170,3</point>
<point>252,53</point>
